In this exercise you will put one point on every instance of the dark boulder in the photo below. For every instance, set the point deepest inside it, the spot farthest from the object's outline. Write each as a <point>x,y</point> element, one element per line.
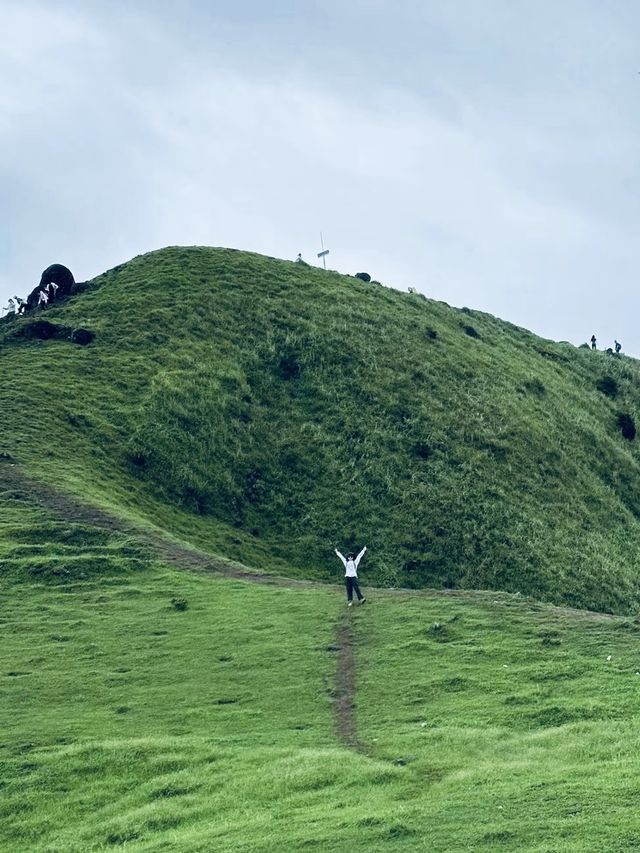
<point>608,386</point>
<point>32,299</point>
<point>55,274</point>
<point>82,336</point>
<point>363,276</point>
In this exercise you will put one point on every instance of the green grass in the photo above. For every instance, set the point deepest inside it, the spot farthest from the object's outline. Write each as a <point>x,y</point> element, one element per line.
<point>266,412</point>
<point>486,722</point>
<point>519,721</point>
<point>269,411</point>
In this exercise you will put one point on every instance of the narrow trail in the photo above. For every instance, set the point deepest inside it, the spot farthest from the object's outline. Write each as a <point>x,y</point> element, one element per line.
<point>65,507</point>
<point>344,705</point>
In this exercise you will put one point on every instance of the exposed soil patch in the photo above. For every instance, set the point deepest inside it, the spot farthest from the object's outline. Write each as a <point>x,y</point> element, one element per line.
<point>345,687</point>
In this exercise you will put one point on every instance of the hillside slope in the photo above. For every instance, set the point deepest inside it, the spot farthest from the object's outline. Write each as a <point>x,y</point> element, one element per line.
<point>270,411</point>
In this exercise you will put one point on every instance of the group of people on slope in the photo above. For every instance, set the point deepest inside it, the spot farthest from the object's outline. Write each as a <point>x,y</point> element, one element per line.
<point>616,344</point>
<point>47,294</point>
<point>18,306</point>
<point>14,306</point>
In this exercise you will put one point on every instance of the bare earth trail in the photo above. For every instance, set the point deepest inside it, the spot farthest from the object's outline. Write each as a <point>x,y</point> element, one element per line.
<point>64,507</point>
<point>345,686</point>
<point>67,508</point>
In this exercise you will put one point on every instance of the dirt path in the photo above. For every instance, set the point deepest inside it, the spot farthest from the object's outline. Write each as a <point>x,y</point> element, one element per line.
<point>65,507</point>
<point>344,705</point>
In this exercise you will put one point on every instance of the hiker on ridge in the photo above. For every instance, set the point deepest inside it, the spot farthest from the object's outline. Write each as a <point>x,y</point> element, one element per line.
<point>593,341</point>
<point>618,346</point>
<point>351,564</point>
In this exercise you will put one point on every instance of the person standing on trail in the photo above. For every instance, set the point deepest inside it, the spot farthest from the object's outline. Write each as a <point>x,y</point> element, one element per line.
<point>351,564</point>
<point>618,346</point>
<point>593,342</point>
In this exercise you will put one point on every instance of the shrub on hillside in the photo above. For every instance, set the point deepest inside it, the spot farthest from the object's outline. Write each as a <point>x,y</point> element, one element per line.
<point>471,331</point>
<point>288,365</point>
<point>439,633</point>
<point>608,386</point>
<point>626,425</point>
<point>421,450</point>
<point>82,336</point>
<point>363,276</point>
<point>42,330</point>
<point>255,486</point>
<point>138,459</point>
<point>534,386</point>
<point>430,334</point>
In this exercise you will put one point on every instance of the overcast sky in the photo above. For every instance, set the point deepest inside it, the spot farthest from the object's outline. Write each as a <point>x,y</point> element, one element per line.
<point>485,152</point>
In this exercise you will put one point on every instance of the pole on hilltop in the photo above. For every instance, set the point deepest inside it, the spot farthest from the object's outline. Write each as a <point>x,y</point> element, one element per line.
<point>323,254</point>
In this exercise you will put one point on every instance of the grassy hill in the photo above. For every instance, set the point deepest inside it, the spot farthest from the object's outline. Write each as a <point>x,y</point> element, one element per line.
<point>270,411</point>
<point>175,675</point>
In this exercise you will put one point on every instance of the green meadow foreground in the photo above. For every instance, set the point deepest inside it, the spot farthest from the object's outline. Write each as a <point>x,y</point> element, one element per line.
<point>160,710</point>
<point>178,670</point>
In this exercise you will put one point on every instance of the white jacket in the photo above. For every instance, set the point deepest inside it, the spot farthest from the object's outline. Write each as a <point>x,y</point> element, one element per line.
<point>351,566</point>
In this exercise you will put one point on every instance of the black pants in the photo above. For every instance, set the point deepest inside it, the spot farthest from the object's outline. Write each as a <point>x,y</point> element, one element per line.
<point>352,584</point>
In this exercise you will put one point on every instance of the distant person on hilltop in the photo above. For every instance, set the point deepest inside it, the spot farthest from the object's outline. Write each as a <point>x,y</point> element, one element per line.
<point>43,298</point>
<point>593,342</point>
<point>22,305</point>
<point>351,564</point>
<point>618,346</point>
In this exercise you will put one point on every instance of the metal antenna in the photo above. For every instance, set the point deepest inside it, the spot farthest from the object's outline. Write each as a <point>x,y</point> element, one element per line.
<point>323,254</point>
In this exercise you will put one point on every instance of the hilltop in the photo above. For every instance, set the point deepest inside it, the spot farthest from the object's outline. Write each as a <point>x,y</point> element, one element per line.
<point>268,411</point>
